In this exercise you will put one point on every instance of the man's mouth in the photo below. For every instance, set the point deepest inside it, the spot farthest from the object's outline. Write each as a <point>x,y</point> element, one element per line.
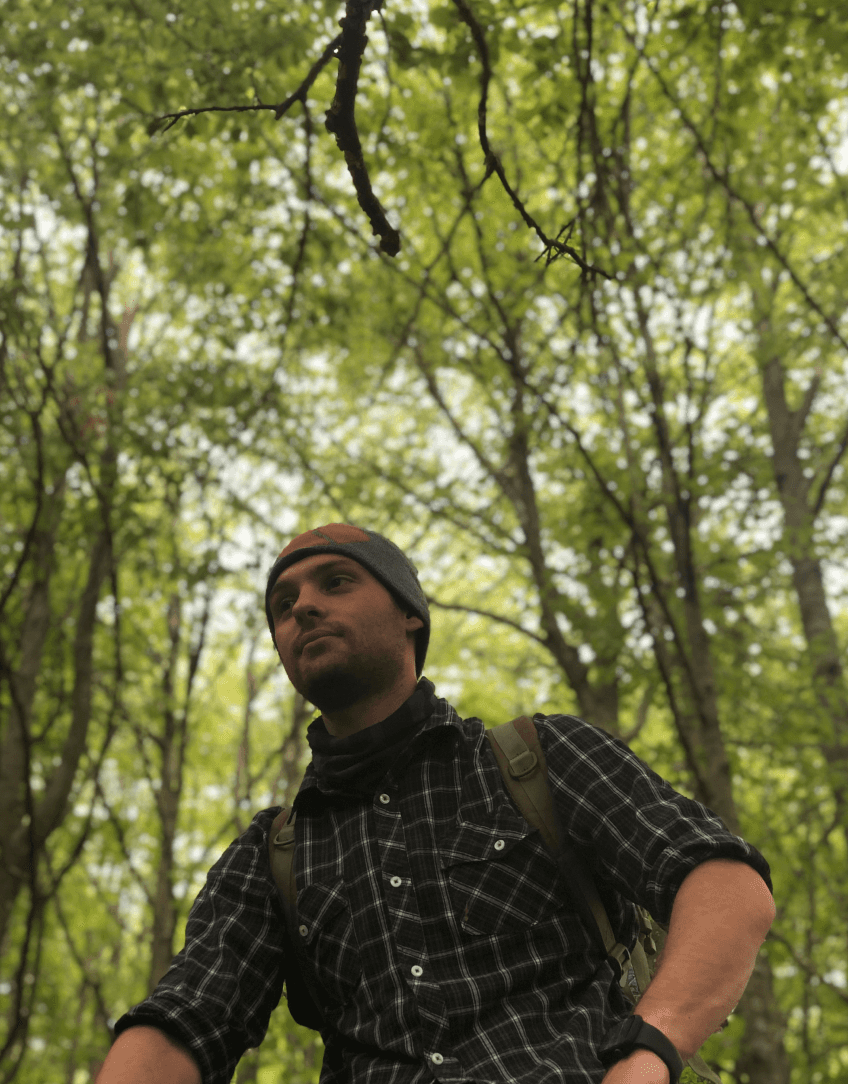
<point>312,638</point>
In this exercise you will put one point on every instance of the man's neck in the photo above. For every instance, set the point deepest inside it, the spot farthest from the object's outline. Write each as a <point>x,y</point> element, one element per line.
<point>367,712</point>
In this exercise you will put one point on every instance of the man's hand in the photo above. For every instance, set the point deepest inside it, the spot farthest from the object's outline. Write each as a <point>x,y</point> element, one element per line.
<point>640,1067</point>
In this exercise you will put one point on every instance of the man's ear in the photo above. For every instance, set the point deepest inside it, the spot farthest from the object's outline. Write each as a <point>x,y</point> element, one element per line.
<point>413,622</point>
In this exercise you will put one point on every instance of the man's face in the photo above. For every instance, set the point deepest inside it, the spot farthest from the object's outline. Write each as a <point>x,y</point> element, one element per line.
<point>339,633</point>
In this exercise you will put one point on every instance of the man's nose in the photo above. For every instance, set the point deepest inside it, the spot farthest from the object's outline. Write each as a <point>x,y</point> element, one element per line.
<point>306,603</point>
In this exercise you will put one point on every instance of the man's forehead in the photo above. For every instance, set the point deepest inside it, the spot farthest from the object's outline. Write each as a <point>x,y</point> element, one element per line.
<point>318,561</point>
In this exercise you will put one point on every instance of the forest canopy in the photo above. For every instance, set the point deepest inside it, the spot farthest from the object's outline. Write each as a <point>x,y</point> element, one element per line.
<point>552,295</point>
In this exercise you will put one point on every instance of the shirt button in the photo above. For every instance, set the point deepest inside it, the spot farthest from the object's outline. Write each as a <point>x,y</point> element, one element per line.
<point>417,972</point>
<point>303,930</point>
<point>385,799</point>
<point>436,1059</point>
<point>395,882</point>
<point>499,845</point>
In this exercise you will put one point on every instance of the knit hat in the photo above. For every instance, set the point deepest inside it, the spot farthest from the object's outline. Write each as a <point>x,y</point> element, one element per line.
<point>382,558</point>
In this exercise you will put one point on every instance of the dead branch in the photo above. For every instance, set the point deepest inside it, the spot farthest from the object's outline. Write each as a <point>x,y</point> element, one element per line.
<point>341,121</point>
<point>278,110</point>
<point>554,247</point>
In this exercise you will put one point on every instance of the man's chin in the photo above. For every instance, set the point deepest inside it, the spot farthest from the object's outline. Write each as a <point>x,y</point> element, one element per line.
<point>334,689</point>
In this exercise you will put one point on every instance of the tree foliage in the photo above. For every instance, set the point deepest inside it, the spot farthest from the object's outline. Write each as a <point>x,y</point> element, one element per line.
<point>598,391</point>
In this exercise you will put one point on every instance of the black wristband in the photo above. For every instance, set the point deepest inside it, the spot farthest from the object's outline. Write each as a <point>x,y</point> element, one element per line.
<point>634,1034</point>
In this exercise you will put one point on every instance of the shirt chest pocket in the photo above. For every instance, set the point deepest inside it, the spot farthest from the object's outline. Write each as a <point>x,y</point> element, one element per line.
<point>325,933</point>
<point>501,878</point>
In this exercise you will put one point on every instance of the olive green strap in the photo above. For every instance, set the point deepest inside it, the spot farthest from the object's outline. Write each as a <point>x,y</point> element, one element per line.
<point>281,856</point>
<point>697,1064</point>
<point>522,763</point>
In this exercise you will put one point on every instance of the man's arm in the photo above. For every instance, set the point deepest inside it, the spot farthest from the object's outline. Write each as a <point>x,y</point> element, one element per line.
<point>145,1055</point>
<point>720,918</point>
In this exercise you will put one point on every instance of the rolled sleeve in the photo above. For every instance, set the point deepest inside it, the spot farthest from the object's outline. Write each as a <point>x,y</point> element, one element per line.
<point>220,990</point>
<point>637,832</point>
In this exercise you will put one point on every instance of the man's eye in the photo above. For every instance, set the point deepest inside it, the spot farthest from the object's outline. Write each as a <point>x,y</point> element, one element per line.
<point>281,606</point>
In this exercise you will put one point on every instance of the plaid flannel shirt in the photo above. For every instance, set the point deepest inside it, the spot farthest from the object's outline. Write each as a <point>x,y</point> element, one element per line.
<point>440,932</point>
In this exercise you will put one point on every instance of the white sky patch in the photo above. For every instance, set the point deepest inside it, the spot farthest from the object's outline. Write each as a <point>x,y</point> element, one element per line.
<point>835,131</point>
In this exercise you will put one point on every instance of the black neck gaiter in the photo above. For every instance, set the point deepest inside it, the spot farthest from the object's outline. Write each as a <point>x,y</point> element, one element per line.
<point>356,764</point>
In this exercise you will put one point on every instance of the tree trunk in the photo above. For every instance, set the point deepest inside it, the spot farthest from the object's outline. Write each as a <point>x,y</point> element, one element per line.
<point>763,1058</point>
<point>686,662</point>
<point>597,700</point>
<point>171,745</point>
<point>799,518</point>
<point>15,751</point>
<point>26,823</point>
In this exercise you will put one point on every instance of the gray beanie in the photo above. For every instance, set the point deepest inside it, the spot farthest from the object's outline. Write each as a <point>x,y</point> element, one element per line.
<point>382,558</point>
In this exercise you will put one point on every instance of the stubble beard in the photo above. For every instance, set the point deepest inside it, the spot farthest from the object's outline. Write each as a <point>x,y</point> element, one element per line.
<point>342,686</point>
<point>335,689</point>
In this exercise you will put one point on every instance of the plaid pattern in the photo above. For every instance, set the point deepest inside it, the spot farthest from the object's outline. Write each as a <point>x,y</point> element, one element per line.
<point>441,934</point>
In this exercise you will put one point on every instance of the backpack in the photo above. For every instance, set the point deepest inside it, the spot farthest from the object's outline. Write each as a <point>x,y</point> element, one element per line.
<point>522,764</point>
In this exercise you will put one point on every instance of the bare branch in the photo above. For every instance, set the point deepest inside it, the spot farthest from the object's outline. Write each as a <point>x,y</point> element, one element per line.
<point>38,487</point>
<point>90,980</point>
<point>808,968</point>
<point>314,71</point>
<point>156,124</point>
<point>723,178</point>
<point>641,713</point>
<point>828,477</point>
<point>554,247</point>
<point>492,617</point>
<point>341,121</point>
<point>278,110</point>
<point>120,836</point>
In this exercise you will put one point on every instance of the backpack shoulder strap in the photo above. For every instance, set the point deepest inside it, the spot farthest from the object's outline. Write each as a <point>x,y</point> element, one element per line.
<point>302,995</point>
<point>522,763</point>
<point>281,857</point>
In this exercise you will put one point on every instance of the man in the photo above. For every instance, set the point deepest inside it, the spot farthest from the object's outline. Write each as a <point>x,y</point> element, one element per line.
<point>438,932</point>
